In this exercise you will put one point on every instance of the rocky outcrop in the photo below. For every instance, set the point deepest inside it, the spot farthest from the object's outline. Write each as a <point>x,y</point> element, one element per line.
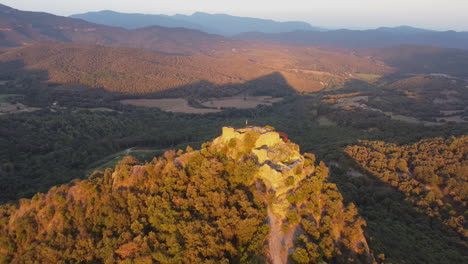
<point>282,174</point>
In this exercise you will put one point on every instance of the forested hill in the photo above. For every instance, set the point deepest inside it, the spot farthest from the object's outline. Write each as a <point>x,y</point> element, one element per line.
<point>247,196</point>
<point>138,71</point>
<point>432,174</point>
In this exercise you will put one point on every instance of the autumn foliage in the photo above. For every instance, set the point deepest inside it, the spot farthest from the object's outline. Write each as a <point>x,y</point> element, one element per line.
<point>202,206</point>
<point>432,174</point>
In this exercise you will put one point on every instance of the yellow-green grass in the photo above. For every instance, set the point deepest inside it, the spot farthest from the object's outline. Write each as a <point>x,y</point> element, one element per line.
<point>368,77</point>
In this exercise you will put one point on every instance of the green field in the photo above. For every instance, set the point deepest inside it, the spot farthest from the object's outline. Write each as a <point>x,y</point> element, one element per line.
<point>112,160</point>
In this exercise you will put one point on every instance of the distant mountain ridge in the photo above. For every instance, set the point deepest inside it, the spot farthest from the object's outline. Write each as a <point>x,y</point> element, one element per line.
<point>19,28</point>
<point>404,29</point>
<point>222,24</point>
<point>135,21</point>
<point>285,32</point>
<point>182,34</point>
<point>372,38</point>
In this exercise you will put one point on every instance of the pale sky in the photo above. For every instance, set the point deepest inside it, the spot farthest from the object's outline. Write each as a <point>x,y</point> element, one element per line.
<point>432,14</point>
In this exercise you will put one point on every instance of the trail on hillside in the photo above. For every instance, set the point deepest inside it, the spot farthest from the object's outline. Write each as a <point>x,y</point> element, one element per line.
<point>275,239</point>
<point>279,242</point>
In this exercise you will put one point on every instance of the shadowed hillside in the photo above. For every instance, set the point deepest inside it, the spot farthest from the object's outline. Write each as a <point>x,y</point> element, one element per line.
<point>423,59</point>
<point>273,84</point>
<point>428,178</point>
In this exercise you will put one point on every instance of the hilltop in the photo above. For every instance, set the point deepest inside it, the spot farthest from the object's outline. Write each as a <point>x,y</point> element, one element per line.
<point>249,195</point>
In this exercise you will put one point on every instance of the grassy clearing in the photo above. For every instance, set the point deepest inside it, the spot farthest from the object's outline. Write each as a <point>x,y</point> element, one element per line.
<point>367,77</point>
<point>241,102</point>
<point>213,105</point>
<point>177,105</point>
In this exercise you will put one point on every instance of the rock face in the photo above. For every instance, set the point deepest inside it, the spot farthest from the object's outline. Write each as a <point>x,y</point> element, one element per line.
<point>277,160</point>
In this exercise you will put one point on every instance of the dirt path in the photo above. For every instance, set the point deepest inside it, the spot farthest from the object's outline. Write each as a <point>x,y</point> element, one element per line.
<point>275,240</point>
<point>135,149</point>
<point>279,242</point>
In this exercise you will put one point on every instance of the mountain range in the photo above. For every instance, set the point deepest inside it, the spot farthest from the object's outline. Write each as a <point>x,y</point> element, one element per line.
<point>21,28</point>
<point>211,23</point>
<point>147,31</point>
<point>284,32</point>
<point>373,38</point>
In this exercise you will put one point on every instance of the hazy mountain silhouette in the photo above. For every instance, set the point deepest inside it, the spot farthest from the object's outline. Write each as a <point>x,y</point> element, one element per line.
<point>212,23</point>
<point>134,21</point>
<point>404,29</point>
<point>22,27</point>
<point>273,84</point>
<point>374,38</point>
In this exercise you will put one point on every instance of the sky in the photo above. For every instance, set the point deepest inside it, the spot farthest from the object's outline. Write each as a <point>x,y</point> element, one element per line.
<point>354,14</point>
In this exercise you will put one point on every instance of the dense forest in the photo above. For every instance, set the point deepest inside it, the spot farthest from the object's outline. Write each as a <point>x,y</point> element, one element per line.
<point>431,173</point>
<point>153,212</point>
<point>136,71</point>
